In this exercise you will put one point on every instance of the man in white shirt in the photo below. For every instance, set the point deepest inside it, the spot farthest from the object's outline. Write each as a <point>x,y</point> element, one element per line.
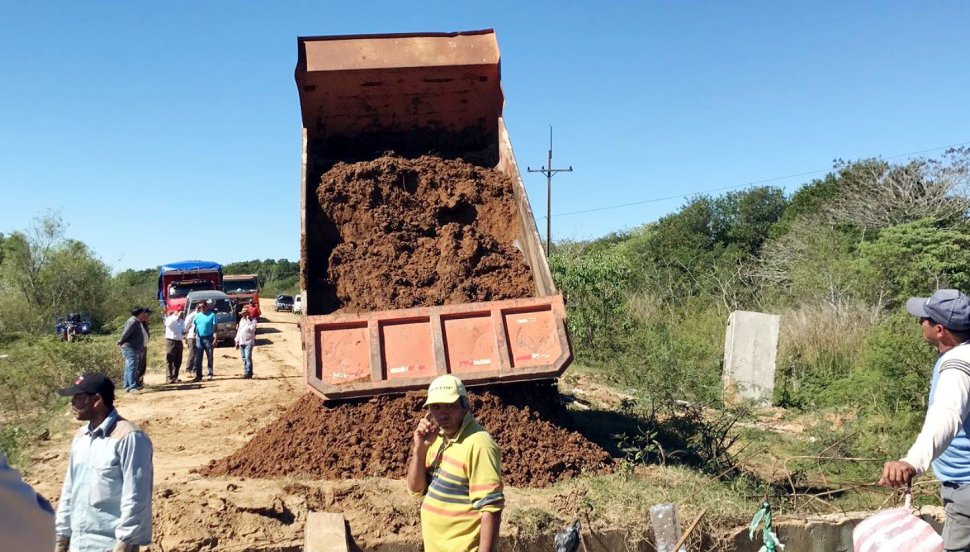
<point>943,442</point>
<point>246,339</point>
<point>174,332</point>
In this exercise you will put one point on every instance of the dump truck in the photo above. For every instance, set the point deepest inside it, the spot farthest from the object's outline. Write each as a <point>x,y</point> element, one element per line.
<point>243,289</point>
<point>413,94</point>
<point>177,280</point>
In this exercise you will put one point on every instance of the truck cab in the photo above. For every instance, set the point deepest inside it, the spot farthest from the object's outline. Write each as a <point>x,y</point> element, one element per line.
<point>243,289</point>
<point>184,277</point>
<point>179,291</point>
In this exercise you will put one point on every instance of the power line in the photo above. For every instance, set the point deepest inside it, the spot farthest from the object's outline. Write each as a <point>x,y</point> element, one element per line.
<point>752,183</point>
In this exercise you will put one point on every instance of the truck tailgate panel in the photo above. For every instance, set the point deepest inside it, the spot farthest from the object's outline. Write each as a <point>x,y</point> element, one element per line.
<point>378,352</point>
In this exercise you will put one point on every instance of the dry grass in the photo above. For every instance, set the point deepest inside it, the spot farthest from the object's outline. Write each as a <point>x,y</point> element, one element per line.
<point>622,501</point>
<point>823,340</point>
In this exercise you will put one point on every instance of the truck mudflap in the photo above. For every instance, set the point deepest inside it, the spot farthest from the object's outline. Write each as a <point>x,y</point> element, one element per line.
<point>366,354</point>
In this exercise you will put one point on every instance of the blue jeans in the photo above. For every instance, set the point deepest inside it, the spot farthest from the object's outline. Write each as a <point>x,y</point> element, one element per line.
<point>246,352</point>
<point>203,344</point>
<point>131,367</point>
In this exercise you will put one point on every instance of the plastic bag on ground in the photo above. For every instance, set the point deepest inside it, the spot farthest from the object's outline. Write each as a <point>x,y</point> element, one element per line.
<point>896,530</point>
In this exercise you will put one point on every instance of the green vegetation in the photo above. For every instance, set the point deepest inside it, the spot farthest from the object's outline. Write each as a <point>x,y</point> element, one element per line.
<point>43,275</point>
<point>276,277</point>
<point>836,259</point>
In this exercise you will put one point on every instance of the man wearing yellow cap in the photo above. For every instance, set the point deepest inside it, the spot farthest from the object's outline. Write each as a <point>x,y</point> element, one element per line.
<point>457,466</point>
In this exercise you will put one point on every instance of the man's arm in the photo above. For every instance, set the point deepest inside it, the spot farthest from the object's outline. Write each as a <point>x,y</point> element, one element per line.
<point>943,421</point>
<point>62,520</point>
<point>135,524</point>
<point>189,323</point>
<point>488,537</point>
<point>486,490</point>
<point>125,331</point>
<point>422,438</point>
<point>416,475</point>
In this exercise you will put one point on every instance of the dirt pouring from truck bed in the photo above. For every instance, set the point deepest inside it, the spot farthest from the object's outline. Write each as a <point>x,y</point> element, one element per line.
<point>355,440</point>
<point>420,232</point>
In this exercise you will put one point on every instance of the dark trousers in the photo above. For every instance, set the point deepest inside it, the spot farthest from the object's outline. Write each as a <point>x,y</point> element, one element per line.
<point>142,367</point>
<point>190,362</point>
<point>173,357</point>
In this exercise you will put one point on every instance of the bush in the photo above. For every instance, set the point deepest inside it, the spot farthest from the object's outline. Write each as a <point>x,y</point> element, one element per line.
<point>818,347</point>
<point>671,356</point>
<point>594,286</point>
<point>31,374</point>
<point>915,258</point>
<point>894,371</point>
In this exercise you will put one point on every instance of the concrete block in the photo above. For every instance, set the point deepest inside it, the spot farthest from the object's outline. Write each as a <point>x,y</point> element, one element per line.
<point>750,348</point>
<point>666,527</point>
<point>325,532</point>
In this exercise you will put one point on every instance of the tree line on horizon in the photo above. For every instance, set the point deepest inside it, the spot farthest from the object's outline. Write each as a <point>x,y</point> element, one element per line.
<point>45,274</point>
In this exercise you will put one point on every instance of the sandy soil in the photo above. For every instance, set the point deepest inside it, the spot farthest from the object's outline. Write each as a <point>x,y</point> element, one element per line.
<point>193,424</point>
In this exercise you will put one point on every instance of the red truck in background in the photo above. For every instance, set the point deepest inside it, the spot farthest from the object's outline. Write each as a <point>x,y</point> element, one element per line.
<point>177,280</point>
<point>243,289</point>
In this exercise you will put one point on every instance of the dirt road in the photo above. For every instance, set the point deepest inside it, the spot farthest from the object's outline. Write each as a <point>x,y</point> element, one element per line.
<point>191,424</point>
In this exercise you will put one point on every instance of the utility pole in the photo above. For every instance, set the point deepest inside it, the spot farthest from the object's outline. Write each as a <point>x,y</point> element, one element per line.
<point>549,172</point>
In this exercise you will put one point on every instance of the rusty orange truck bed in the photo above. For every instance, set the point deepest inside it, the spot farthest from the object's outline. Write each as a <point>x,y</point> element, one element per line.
<point>414,94</point>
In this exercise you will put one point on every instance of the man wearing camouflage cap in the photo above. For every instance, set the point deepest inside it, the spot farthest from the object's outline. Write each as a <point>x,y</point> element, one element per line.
<point>943,442</point>
<point>456,465</point>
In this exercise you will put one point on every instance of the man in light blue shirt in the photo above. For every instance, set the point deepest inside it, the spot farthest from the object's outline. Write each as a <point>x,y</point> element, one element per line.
<point>106,501</point>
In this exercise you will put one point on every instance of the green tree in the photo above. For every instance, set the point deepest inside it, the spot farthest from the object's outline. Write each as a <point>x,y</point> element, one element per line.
<point>45,275</point>
<point>916,258</point>
<point>594,287</point>
<point>275,275</point>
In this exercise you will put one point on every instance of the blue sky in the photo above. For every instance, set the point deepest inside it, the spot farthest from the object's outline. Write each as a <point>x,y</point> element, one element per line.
<point>168,131</point>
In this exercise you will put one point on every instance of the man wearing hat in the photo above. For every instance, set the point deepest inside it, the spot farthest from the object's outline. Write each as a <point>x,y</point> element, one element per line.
<point>943,442</point>
<point>457,466</point>
<point>106,500</point>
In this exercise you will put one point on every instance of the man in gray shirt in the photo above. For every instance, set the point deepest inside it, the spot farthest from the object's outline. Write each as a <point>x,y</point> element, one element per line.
<point>133,341</point>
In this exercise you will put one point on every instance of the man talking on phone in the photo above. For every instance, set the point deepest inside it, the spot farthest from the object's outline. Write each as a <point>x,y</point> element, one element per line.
<point>457,466</point>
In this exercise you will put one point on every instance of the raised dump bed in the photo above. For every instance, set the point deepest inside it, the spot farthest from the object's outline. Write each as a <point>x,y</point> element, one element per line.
<point>414,94</point>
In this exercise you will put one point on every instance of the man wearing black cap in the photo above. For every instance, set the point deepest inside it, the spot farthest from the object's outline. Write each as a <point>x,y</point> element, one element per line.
<point>943,442</point>
<point>106,500</point>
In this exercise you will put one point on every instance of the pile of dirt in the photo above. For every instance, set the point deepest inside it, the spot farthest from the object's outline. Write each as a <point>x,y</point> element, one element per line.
<point>404,233</point>
<point>372,439</point>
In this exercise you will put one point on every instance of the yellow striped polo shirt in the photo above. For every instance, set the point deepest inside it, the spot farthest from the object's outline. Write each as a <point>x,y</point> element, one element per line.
<point>465,475</point>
